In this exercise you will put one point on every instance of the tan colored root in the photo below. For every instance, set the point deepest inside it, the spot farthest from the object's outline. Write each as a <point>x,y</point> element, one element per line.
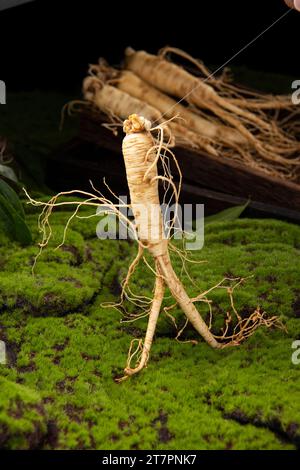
<point>135,86</point>
<point>141,153</point>
<point>104,96</point>
<point>236,94</point>
<point>119,104</point>
<point>141,302</point>
<point>188,138</point>
<point>92,200</point>
<point>133,143</point>
<point>174,80</point>
<point>111,100</point>
<point>270,154</point>
<point>153,317</point>
<point>263,134</point>
<point>185,302</point>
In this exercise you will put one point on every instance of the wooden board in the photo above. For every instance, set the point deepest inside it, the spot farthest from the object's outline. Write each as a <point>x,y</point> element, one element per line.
<point>74,164</point>
<point>200,170</point>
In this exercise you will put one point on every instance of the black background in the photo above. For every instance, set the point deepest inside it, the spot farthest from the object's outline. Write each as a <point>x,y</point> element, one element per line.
<point>48,44</point>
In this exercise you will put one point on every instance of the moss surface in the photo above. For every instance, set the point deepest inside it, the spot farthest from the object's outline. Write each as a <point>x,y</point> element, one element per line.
<point>22,417</point>
<point>64,349</point>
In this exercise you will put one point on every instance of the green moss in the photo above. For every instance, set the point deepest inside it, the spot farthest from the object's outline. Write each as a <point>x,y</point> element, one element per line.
<point>64,279</point>
<point>62,343</point>
<point>22,417</point>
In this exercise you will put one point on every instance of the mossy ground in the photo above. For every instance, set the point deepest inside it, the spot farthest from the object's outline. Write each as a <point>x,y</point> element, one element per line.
<point>65,350</point>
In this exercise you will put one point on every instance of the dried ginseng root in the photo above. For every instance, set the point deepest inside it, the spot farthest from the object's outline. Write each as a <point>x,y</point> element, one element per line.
<point>143,147</point>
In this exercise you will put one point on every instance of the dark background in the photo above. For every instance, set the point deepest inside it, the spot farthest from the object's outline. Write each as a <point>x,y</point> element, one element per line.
<point>48,44</point>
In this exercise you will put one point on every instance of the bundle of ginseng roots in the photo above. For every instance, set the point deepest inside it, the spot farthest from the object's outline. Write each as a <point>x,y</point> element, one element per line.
<point>205,112</point>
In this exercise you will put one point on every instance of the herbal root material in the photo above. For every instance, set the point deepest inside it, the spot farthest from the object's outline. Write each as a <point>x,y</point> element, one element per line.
<point>212,114</point>
<point>143,147</point>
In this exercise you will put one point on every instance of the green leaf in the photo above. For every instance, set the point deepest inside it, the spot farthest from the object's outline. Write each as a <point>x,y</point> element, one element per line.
<point>8,173</point>
<point>232,213</point>
<point>14,225</point>
<point>10,195</point>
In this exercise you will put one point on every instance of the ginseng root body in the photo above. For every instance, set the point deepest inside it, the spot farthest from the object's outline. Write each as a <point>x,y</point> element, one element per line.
<point>140,156</point>
<point>142,152</point>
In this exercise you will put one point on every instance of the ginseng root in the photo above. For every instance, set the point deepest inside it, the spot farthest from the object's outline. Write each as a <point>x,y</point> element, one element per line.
<point>259,142</point>
<point>119,104</point>
<point>133,85</point>
<point>236,94</point>
<point>262,133</point>
<point>143,147</point>
<point>140,157</point>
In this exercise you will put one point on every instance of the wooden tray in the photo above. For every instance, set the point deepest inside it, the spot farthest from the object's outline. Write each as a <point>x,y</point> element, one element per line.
<point>217,182</point>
